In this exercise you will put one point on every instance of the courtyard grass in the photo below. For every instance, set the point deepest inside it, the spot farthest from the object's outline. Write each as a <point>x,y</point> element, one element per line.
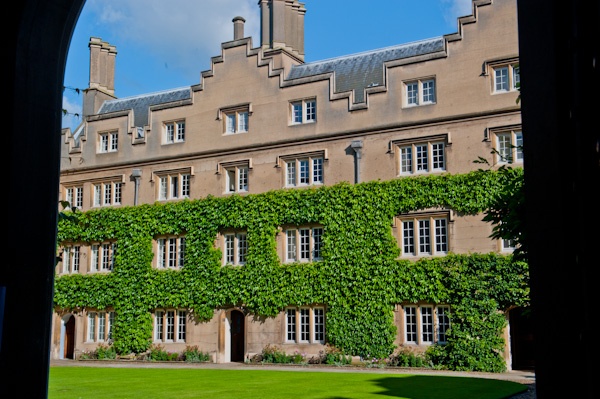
<point>149,383</point>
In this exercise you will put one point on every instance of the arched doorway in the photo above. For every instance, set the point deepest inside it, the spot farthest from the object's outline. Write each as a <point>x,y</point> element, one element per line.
<point>521,339</point>
<point>237,335</point>
<point>68,337</point>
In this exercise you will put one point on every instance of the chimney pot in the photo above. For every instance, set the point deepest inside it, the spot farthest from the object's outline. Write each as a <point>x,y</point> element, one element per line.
<point>238,28</point>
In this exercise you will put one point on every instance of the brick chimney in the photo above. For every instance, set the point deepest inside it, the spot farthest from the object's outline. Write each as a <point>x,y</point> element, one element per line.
<point>282,26</point>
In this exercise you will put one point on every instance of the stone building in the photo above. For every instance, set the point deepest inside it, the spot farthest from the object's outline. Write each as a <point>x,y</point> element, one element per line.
<point>262,119</point>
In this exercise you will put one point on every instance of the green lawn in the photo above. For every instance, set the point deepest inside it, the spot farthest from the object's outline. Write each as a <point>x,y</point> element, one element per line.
<point>148,383</point>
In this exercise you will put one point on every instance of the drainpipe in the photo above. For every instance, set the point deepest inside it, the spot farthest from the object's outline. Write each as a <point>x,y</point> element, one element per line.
<point>135,175</point>
<point>357,146</point>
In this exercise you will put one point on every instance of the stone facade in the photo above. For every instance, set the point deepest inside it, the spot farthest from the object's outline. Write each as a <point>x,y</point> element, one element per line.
<point>355,116</point>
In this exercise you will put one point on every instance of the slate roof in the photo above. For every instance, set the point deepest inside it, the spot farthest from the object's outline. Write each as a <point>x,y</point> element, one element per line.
<point>142,103</point>
<point>351,72</point>
<point>361,70</point>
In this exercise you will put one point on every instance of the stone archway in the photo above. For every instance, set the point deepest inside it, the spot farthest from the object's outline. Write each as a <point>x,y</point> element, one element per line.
<point>37,43</point>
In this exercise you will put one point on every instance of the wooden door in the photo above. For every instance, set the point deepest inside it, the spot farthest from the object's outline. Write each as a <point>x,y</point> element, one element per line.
<point>69,343</point>
<point>237,336</point>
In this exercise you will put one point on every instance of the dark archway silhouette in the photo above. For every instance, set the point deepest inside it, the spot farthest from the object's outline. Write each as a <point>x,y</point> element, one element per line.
<point>38,37</point>
<point>559,74</point>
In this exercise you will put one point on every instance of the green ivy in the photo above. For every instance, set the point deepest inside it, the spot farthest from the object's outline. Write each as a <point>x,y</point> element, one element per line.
<point>360,278</point>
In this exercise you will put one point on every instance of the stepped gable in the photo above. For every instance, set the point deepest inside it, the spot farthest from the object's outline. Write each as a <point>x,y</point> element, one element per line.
<point>357,72</point>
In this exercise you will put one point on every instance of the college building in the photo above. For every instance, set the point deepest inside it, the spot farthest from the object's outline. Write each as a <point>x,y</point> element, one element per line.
<point>263,125</point>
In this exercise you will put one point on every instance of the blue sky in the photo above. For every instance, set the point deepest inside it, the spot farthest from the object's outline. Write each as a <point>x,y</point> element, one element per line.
<point>166,44</point>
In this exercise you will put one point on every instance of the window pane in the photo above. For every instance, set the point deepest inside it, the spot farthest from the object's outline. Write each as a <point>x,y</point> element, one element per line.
<point>304,325</point>
<point>424,237</point>
<point>412,93</point>
<point>291,245</point>
<point>429,91</point>
<point>162,253</point>
<point>441,236</point>
<point>504,147</point>
<point>501,78</point>
<point>516,77</point>
<point>159,326</point>
<point>304,173</point>
<point>230,180</point>
<point>406,159</point>
<point>443,321</point>
<point>185,185</point>
<point>181,322</point>
<point>311,111</point>
<point>181,131</point>
<point>408,238</point>
<point>242,248</point>
<point>91,327</point>
<point>162,190</point>
<point>229,248</point>
<point>427,324</point>
<point>243,179</point>
<point>319,325</point>
<point>297,112</point>
<point>317,170</point>
<point>317,243</point>
<point>169,133</point>
<point>422,161</point>
<point>291,173</point>
<point>181,252</point>
<point>243,122</point>
<point>290,325</point>
<point>410,322</point>
<point>437,156</point>
<point>230,123</point>
<point>519,146</point>
<point>170,325</point>
<point>174,187</point>
<point>304,244</point>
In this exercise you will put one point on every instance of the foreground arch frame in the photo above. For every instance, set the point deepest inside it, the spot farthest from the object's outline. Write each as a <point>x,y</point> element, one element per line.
<point>552,37</point>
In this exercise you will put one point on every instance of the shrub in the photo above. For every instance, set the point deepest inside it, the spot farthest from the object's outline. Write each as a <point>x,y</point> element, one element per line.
<point>336,356</point>
<point>87,355</point>
<point>273,354</point>
<point>105,351</point>
<point>158,353</point>
<point>407,358</point>
<point>298,358</point>
<point>193,354</point>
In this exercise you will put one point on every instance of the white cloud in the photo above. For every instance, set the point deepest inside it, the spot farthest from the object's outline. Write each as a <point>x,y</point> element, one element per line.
<point>181,32</point>
<point>454,9</point>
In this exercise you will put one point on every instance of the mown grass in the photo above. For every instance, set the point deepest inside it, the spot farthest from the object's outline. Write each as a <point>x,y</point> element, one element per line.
<point>149,383</point>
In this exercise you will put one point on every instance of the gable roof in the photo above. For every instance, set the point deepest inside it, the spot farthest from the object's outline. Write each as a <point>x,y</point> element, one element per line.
<point>351,73</point>
<point>142,103</point>
<point>357,72</point>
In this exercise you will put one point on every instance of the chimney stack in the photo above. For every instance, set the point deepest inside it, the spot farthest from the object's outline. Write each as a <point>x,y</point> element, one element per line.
<point>102,76</point>
<point>102,65</point>
<point>282,26</point>
<point>238,28</point>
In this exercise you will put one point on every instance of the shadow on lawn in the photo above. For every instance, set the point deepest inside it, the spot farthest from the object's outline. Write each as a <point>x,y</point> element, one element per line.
<point>427,387</point>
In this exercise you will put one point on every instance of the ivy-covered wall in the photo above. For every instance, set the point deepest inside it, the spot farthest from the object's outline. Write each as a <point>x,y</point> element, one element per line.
<point>360,278</point>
